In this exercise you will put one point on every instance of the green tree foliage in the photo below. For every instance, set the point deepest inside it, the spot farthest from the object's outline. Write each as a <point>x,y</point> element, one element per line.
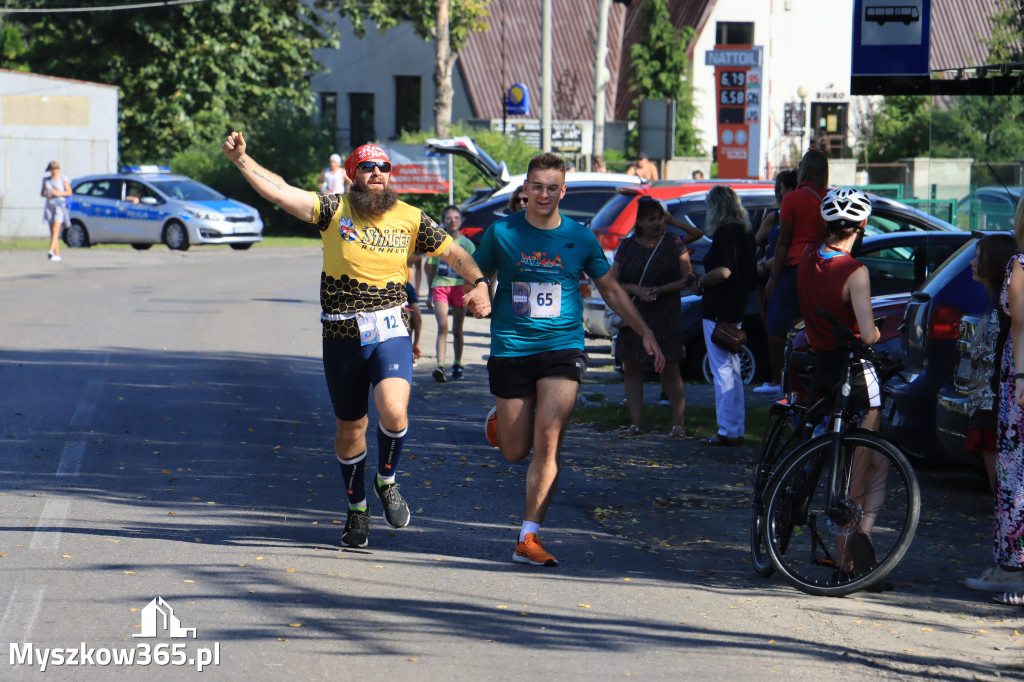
<point>12,47</point>
<point>190,73</point>
<point>661,70</point>
<point>283,141</point>
<point>464,17</point>
<point>1007,32</point>
<point>902,127</point>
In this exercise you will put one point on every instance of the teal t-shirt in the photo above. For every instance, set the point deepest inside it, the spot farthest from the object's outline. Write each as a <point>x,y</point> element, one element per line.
<point>537,306</point>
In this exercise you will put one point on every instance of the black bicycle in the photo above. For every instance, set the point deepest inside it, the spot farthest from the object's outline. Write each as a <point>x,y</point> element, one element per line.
<point>835,513</point>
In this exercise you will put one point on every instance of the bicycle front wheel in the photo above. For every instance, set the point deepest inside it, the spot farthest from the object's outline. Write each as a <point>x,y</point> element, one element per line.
<point>782,439</point>
<point>875,511</point>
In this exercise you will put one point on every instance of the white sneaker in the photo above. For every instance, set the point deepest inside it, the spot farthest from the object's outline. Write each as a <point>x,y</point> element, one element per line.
<point>768,388</point>
<point>996,579</point>
<point>55,258</point>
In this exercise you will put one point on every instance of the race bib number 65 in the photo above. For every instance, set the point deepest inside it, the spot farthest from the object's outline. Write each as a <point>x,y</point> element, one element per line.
<point>537,299</point>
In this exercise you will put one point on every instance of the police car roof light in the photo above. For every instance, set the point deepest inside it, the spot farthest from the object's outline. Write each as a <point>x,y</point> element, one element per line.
<point>145,169</point>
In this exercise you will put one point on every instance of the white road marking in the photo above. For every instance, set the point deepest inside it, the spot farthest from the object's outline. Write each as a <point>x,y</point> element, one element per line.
<point>71,460</point>
<point>92,390</point>
<point>20,614</point>
<point>51,525</point>
<point>83,414</point>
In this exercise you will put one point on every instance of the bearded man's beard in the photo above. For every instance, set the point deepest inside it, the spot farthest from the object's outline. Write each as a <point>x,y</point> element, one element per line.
<point>372,202</point>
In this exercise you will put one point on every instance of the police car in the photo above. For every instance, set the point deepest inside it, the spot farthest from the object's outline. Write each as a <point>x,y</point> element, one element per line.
<point>146,205</point>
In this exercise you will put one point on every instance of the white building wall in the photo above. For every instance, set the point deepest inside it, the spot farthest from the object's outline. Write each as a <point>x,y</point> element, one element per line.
<point>45,119</point>
<point>807,43</point>
<point>370,64</point>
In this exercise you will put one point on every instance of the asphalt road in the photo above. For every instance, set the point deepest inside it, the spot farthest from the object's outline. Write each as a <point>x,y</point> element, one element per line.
<point>165,432</point>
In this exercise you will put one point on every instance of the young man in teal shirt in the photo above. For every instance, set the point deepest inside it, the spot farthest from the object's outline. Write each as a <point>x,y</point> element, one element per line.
<point>537,360</point>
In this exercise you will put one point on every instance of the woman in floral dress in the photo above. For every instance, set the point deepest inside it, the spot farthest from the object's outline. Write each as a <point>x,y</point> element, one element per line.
<point>1008,550</point>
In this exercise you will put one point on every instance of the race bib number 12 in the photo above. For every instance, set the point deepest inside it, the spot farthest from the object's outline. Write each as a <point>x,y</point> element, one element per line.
<point>380,325</point>
<point>537,299</point>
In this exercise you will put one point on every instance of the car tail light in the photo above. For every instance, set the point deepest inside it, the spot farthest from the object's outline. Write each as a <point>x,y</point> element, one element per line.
<point>944,324</point>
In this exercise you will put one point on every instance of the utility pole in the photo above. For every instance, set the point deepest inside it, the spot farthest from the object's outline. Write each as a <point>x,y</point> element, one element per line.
<point>545,76</point>
<point>600,79</point>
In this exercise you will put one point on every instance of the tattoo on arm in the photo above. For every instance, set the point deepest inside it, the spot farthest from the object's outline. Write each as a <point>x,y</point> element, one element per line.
<point>268,180</point>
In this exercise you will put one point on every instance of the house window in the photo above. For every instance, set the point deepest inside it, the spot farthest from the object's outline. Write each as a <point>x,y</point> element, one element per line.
<point>361,117</point>
<point>329,109</point>
<point>407,104</point>
<point>734,33</point>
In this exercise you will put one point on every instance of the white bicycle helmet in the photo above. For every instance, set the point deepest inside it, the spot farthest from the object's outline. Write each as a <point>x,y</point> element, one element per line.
<point>846,205</point>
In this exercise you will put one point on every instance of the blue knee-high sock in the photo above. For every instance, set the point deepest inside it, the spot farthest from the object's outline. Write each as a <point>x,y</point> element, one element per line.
<point>352,475</point>
<point>389,448</point>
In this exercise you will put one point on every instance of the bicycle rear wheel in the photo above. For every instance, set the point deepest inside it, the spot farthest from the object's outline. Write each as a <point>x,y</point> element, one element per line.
<point>782,439</point>
<point>812,546</point>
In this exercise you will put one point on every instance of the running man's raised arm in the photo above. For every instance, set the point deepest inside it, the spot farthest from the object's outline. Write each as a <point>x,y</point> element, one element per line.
<point>270,186</point>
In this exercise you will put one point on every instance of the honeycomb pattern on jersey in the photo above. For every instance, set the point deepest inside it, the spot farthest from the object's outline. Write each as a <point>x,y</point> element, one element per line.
<point>348,295</point>
<point>329,204</point>
<point>430,236</point>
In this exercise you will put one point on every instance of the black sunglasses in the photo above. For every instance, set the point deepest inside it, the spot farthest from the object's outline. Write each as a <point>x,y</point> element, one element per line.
<point>522,200</point>
<point>368,166</point>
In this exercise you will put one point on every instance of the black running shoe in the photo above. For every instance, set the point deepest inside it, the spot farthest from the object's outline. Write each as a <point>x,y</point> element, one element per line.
<point>457,372</point>
<point>357,529</point>
<point>396,511</point>
<point>438,375</point>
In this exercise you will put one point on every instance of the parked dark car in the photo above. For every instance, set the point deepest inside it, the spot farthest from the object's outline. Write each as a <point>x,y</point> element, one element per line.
<point>989,208</point>
<point>929,345</point>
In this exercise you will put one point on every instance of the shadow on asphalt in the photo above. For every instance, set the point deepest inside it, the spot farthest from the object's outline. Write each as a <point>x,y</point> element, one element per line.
<point>235,450</point>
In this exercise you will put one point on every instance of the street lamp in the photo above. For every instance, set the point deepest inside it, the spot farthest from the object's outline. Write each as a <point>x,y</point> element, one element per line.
<point>802,93</point>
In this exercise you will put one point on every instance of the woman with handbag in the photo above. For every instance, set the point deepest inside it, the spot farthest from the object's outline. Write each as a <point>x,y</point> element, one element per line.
<point>653,267</point>
<point>728,279</point>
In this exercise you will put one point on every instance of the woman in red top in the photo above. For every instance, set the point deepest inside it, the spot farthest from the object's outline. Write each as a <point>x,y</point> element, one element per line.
<point>800,224</point>
<point>833,280</point>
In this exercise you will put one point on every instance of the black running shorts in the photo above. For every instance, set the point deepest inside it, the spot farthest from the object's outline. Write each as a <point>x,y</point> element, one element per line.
<point>516,377</point>
<point>351,369</point>
<point>865,388</point>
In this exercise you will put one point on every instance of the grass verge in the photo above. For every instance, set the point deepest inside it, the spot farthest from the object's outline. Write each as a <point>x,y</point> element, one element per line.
<point>700,421</point>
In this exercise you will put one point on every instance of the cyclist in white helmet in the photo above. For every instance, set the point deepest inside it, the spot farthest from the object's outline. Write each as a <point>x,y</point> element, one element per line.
<point>833,280</point>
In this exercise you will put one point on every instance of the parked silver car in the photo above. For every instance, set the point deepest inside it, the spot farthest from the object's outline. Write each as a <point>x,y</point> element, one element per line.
<point>146,205</point>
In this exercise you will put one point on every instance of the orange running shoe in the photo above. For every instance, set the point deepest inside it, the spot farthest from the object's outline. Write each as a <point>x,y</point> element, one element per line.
<point>531,551</point>
<point>491,428</point>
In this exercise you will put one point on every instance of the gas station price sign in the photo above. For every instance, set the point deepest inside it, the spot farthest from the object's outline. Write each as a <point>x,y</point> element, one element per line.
<point>738,94</point>
<point>732,96</point>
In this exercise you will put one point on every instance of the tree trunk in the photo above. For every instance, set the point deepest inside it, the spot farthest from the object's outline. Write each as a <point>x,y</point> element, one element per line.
<point>443,63</point>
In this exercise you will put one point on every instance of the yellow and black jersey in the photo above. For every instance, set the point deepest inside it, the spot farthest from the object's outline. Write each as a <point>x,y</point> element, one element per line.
<point>365,259</point>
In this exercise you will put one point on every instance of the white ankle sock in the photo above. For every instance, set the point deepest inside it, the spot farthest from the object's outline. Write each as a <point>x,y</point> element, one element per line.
<point>529,527</point>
